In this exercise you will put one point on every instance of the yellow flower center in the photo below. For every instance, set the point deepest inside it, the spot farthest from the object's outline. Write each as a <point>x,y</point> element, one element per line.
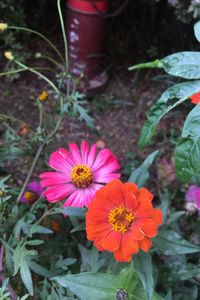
<point>121,219</point>
<point>81,176</point>
<point>43,96</point>
<point>30,196</point>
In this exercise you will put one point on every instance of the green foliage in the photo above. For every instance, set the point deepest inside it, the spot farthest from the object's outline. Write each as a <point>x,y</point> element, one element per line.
<point>185,65</point>
<point>171,243</point>
<point>141,174</point>
<point>188,149</point>
<point>171,98</point>
<point>104,286</point>
<point>143,266</point>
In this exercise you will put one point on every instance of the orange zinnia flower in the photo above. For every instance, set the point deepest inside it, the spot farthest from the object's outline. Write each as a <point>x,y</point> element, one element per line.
<point>122,220</point>
<point>195,98</point>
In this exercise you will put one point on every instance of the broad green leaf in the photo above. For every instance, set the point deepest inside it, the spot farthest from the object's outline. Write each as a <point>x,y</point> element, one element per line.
<point>26,277</point>
<point>184,64</point>
<point>197,30</point>
<point>187,156</point>
<point>99,286</point>
<point>171,243</point>
<point>187,153</point>
<point>166,103</point>
<point>191,126</point>
<point>140,294</point>
<point>141,174</point>
<point>143,266</point>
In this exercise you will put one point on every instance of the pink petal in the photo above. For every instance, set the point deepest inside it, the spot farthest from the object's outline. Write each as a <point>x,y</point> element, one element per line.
<point>84,152</point>
<point>102,177</point>
<point>58,192</point>
<point>109,166</point>
<point>67,155</point>
<point>75,199</point>
<point>103,156</point>
<point>92,155</point>
<point>59,163</point>
<point>54,178</point>
<point>75,153</point>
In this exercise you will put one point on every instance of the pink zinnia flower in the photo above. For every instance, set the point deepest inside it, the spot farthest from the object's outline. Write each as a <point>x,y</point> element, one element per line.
<point>193,198</point>
<point>32,193</point>
<point>79,174</point>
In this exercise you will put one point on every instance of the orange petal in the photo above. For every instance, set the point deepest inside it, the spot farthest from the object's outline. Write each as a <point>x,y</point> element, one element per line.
<point>130,201</point>
<point>195,98</point>
<point>99,240</point>
<point>144,208</point>
<point>145,244</point>
<point>114,192</point>
<point>129,245</point>
<point>130,187</point>
<point>112,241</point>
<point>93,231</point>
<point>148,226</point>
<point>157,216</point>
<point>136,233</point>
<point>119,256</point>
<point>144,194</point>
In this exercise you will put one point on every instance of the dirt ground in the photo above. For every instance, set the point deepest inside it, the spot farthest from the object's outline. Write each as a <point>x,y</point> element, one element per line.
<point>119,113</point>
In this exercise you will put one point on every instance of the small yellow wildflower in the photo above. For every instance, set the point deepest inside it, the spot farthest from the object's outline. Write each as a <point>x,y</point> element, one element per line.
<point>43,96</point>
<point>3,27</point>
<point>8,55</point>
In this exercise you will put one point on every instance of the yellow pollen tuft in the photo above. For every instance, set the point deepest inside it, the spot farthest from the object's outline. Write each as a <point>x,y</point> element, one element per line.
<point>3,27</point>
<point>43,96</point>
<point>81,176</point>
<point>8,55</point>
<point>30,196</point>
<point>121,219</point>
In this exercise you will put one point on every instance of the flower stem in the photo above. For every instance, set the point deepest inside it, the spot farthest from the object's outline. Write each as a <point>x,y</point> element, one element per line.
<point>64,35</point>
<point>41,36</point>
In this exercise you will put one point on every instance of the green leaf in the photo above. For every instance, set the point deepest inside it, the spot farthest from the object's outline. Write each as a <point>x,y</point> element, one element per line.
<point>197,30</point>
<point>39,229</point>
<point>143,266</point>
<point>153,64</point>
<point>184,64</point>
<point>71,211</point>
<point>171,243</point>
<point>35,242</point>
<point>141,174</point>
<point>99,286</point>
<point>166,103</point>
<point>187,152</point>
<point>191,126</point>
<point>187,155</point>
<point>38,269</point>
<point>26,277</point>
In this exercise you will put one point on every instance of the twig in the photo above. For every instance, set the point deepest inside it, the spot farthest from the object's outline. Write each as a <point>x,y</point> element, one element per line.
<point>30,171</point>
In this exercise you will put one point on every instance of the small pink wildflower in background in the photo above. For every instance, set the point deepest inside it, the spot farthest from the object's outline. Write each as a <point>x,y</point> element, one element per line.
<point>32,193</point>
<point>193,199</point>
<point>78,174</point>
